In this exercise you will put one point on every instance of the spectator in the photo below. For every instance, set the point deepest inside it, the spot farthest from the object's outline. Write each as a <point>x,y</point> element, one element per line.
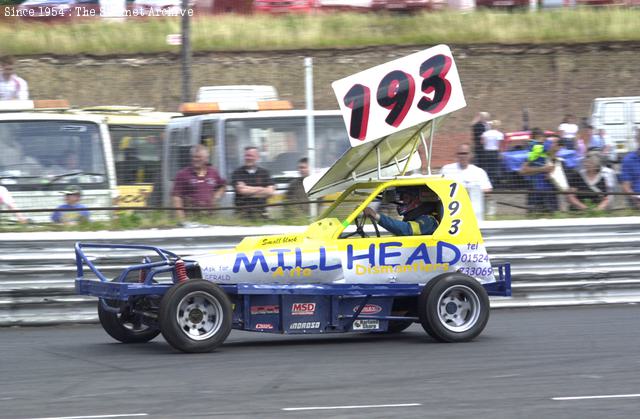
<point>478,126</point>
<point>12,87</point>
<point>630,175</point>
<point>539,165</point>
<point>296,193</point>
<point>7,200</point>
<point>474,178</point>
<point>601,142</point>
<point>253,185</point>
<point>593,184</point>
<point>491,142</point>
<point>568,130</point>
<point>198,185</point>
<point>72,202</point>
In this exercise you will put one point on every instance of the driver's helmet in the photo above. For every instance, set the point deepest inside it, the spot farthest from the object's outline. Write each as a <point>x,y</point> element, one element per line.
<point>406,198</point>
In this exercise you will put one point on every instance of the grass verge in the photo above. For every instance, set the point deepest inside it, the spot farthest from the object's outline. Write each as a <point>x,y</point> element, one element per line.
<point>340,30</point>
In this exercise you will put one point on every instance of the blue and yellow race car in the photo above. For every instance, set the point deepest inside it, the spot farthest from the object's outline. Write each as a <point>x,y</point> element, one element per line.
<point>344,273</point>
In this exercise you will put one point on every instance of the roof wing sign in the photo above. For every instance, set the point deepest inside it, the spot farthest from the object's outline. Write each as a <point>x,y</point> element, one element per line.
<point>398,95</point>
<point>385,109</point>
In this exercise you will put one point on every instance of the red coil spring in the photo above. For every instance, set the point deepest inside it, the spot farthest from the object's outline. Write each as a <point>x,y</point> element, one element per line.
<point>181,271</point>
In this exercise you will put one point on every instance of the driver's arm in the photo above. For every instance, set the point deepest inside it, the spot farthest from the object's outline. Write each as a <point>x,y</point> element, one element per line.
<point>396,227</point>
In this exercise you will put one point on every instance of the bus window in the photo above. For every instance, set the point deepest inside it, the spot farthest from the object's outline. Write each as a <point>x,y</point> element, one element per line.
<point>137,152</point>
<point>281,142</point>
<point>55,152</point>
<point>209,138</point>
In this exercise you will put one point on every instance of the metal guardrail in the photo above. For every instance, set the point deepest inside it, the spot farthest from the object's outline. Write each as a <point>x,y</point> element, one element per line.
<point>553,262</point>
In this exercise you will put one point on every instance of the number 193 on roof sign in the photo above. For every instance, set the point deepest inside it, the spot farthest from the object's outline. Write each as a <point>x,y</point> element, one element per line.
<point>399,94</point>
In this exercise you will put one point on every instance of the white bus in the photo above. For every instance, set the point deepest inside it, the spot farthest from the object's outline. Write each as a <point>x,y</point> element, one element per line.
<point>280,136</point>
<point>42,154</point>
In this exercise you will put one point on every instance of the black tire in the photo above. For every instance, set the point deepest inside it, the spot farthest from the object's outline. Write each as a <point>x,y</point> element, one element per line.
<point>453,308</point>
<point>195,316</point>
<point>397,326</point>
<point>125,327</point>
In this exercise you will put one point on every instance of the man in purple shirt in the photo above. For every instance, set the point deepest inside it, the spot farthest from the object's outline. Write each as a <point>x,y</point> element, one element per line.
<point>198,185</point>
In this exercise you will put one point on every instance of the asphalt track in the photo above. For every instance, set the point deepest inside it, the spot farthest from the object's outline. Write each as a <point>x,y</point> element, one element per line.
<point>524,365</point>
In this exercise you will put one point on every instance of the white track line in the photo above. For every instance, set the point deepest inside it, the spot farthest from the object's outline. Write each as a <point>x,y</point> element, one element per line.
<point>370,406</point>
<point>124,415</point>
<point>611,396</point>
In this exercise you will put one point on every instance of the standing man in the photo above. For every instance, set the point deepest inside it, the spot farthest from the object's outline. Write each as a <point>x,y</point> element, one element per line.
<point>198,185</point>
<point>12,87</point>
<point>253,185</point>
<point>296,192</point>
<point>492,142</point>
<point>630,174</point>
<point>72,198</point>
<point>474,178</point>
<point>479,125</point>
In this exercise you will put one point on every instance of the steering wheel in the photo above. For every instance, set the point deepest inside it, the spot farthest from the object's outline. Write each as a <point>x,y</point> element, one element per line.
<point>360,222</point>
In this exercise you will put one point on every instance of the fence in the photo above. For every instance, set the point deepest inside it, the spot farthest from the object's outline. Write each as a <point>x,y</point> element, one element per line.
<point>554,263</point>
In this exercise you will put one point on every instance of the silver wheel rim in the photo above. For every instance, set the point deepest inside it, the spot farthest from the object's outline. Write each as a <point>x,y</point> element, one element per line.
<point>459,308</point>
<point>199,315</point>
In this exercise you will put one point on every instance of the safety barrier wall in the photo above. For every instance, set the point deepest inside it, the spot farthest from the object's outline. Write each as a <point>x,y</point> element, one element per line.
<point>554,263</point>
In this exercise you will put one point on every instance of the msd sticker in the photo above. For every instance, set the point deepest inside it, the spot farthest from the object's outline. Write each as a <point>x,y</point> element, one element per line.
<point>303,309</point>
<point>366,324</point>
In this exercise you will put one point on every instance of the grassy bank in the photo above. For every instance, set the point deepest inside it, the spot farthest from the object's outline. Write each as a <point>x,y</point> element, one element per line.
<point>232,33</point>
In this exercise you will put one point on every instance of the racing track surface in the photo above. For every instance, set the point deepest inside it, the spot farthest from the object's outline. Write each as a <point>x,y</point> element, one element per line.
<point>524,359</point>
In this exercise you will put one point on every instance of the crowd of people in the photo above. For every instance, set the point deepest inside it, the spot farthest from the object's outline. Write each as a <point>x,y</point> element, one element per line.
<point>576,160</point>
<point>587,179</point>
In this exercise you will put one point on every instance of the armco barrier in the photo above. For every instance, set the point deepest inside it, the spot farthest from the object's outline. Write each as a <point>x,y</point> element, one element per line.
<point>554,262</point>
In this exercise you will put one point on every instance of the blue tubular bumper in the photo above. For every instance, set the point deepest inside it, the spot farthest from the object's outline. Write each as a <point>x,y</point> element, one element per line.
<point>118,288</point>
<point>501,288</point>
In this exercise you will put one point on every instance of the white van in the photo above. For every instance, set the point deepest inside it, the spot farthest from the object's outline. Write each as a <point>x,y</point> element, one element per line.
<point>619,117</point>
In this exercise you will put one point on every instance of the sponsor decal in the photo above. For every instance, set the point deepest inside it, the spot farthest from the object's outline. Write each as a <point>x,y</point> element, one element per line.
<point>303,309</point>
<point>369,309</point>
<point>305,325</point>
<point>289,260</point>
<point>366,324</point>
<point>271,309</point>
<point>264,326</point>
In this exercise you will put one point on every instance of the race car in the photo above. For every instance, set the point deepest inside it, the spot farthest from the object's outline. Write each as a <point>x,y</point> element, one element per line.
<point>343,273</point>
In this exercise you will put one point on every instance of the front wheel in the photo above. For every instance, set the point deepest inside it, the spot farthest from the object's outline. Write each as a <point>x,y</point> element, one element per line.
<point>453,308</point>
<point>195,316</point>
<point>125,327</point>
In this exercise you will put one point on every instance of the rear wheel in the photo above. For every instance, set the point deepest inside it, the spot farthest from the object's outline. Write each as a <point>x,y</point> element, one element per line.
<point>453,308</point>
<point>195,316</point>
<point>126,327</point>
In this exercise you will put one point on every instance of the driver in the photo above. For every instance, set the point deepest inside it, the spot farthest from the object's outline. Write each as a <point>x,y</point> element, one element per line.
<point>416,220</point>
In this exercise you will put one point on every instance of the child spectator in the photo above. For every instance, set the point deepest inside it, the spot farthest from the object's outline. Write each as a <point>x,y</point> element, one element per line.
<point>72,201</point>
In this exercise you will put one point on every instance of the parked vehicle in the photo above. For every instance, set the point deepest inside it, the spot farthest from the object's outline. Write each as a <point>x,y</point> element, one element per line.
<point>43,153</point>
<point>619,117</point>
<point>137,135</point>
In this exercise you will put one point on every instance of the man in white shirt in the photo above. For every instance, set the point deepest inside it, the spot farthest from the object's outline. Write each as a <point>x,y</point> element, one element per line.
<point>474,178</point>
<point>12,87</point>
<point>568,130</point>
<point>491,141</point>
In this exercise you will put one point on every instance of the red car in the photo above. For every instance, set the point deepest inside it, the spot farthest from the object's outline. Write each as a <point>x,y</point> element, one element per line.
<point>284,6</point>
